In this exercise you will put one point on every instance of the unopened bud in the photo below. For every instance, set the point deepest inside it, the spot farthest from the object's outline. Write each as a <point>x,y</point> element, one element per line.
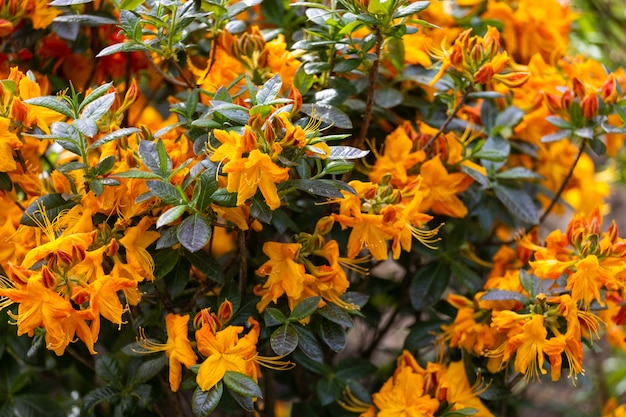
<point>324,225</point>
<point>579,87</point>
<point>48,279</point>
<point>225,312</point>
<point>590,105</point>
<point>608,91</point>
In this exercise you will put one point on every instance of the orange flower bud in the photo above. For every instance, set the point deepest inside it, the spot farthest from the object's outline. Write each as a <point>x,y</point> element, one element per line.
<point>296,99</point>
<point>567,99</point>
<point>225,312</point>
<point>80,295</point>
<point>608,91</point>
<point>590,105</point>
<point>513,79</point>
<point>19,111</point>
<point>485,74</point>
<point>48,278</point>
<point>579,87</point>
<point>324,225</point>
<point>6,28</point>
<point>553,103</point>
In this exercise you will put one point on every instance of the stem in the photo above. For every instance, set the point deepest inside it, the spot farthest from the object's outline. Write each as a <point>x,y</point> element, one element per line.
<point>369,105</point>
<point>163,74</point>
<point>557,196</point>
<point>243,266</point>
<point>187,81</point>
<point>445,124</point>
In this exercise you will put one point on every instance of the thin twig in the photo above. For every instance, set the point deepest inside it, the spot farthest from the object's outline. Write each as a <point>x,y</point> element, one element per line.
<point>163,74</point>
<point>243,266</point>
<point>557,196</point>
<point>190,84</point>
<point>445,124</point>
<point>369,105</point>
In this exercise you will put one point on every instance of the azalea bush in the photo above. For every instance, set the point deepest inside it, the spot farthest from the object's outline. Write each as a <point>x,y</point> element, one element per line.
<point>325,208</point>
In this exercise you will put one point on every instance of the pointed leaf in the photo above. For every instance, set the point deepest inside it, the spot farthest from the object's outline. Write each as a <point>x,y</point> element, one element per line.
<point>242,384</point>
<point>305,308</point>
<point>284,340</point>
<point>171,215</point>
<point>117,134</point>
<point>203,403</point>
<point>333,335</point>
<point>194,232</point>
<point>518,203</point>
<point>429,284</point>
<point>51,204</point>
<point>269,90</point>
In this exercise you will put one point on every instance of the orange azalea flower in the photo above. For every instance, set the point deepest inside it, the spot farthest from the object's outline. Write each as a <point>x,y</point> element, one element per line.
<point>257,171</point>
<point>459,392</point>
<point>586,281</point>
<point>8,143</point>
<point>226,351</point>
<point>177,348</point>
<point>105,301</point>
<point>440,189</point>
<point>285,275</point>
<point>529,347</point>
<point>368,231</point>
<point>136,239</point>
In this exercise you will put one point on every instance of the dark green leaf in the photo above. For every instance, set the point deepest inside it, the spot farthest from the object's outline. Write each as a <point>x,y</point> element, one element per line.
<point>36,405</point>
<point>194,232</point>
<point>335,314</point>
<point>518,203</point>
<point>328,391</point>
<point>269,90</point>
<point>51,204</point>
<point>284,340</point>
<point>120,133</point>
<point>164,262</point>
<point>165,163</point>
<point>428,285</point>
<point>470,279</point>
<point>165,191</point>
<point>85,19</point>
<point>98,395</point>
<point>5,182</point>
<point>242,384</point>
<point>553,137</point>
<point>510,117</point>
<point>356,298</point>
<point>504,295</point>
<point>518,173</point>
<point>328,114</point>
<point>95,94</point>
<point>334,335</point>
<point>316,187</point>
<point>305,308</point>
<point>422,334</point>
<point>223,198</point>
<point>150,156</point>
<point>558,122</point>
<point>388,97</point>
<point>273,317</point>
<point>105,165</point>
<point>53,103</point>
<point>178,279</point>
<point>411,9</point>
<point>72,166</point>
<point>347,65</point>
<point>245,403</point>
<point>260,210</point>
<point>135,173</point>
<point>109,369</point>
<point>168,238</point>
<point>207,264</point>
<point>308,344</point>
<point>149,369</point>
<point>598,146</point>
<point>354,368</point>
<point>346,152</point>
<point>204,402</point>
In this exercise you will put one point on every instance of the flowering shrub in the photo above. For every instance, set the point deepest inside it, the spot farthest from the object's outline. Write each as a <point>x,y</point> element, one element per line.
<point>229,206</point>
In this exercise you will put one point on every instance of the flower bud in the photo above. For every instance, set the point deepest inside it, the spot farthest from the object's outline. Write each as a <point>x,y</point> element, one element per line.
<point>324,225</point>
<point>579,87</point>
<point>608,91</point>
<point>225,312</point>
<point>590,105</point>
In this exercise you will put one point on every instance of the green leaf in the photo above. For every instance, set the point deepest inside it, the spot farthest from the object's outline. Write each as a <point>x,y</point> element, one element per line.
<point>120,133</point>
<point>429,284</point>
<point>86,126</point>
<point>136,173</point>
<point>305,308</point>
<point>85,19</point>
<point>242,384</point>
<point>470,279</point>
<point>165,163</point>
<point>378,6</point>
<point>553,137</point>
<point>148,370</point>
<point>269,90</point>
<point>516,173</point>
<point>223,198</point>
<point>150,156</point>
<point>130,4</point>
<point>388,97</point>
<point>274,316</point>
<point>5,182</point>
<point>165,191</point>
<point>328,391</point>
<point>347,65</point>
<point>488,95</point>
<point>203,403</point>
<point>530,282</point>
<point>558,122</point>
<point>504,295</point>
<point>354,368</point>
<point>99,395</point>
<point>121,47</point>
<point>510,117</point>
<point>598,146</point>
<point>411,9</point>
<point>95,94</point>
<point>284,340</point>
<point>335,314</point>
<point>51,204</point>
<point>308,344</point>
<point>207,264</point>
<point>316,187</point>
<point>333,335</point>
<point>53,103</point>
<point>164,262</point>
<point>518,203</point>
<point>178,279</point>
<point>194,232</point>
<point>109,369</point>
<point>422,334</point>
<point>327,114</point>
<point>105,165</point>
<point>346,152</point>
<point>171,215</point>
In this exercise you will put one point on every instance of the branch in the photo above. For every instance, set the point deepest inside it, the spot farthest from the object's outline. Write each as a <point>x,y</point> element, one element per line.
<point>369,106</point>
<point>445,124</point>
<point>557,196</point>
<point>163,74</point>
